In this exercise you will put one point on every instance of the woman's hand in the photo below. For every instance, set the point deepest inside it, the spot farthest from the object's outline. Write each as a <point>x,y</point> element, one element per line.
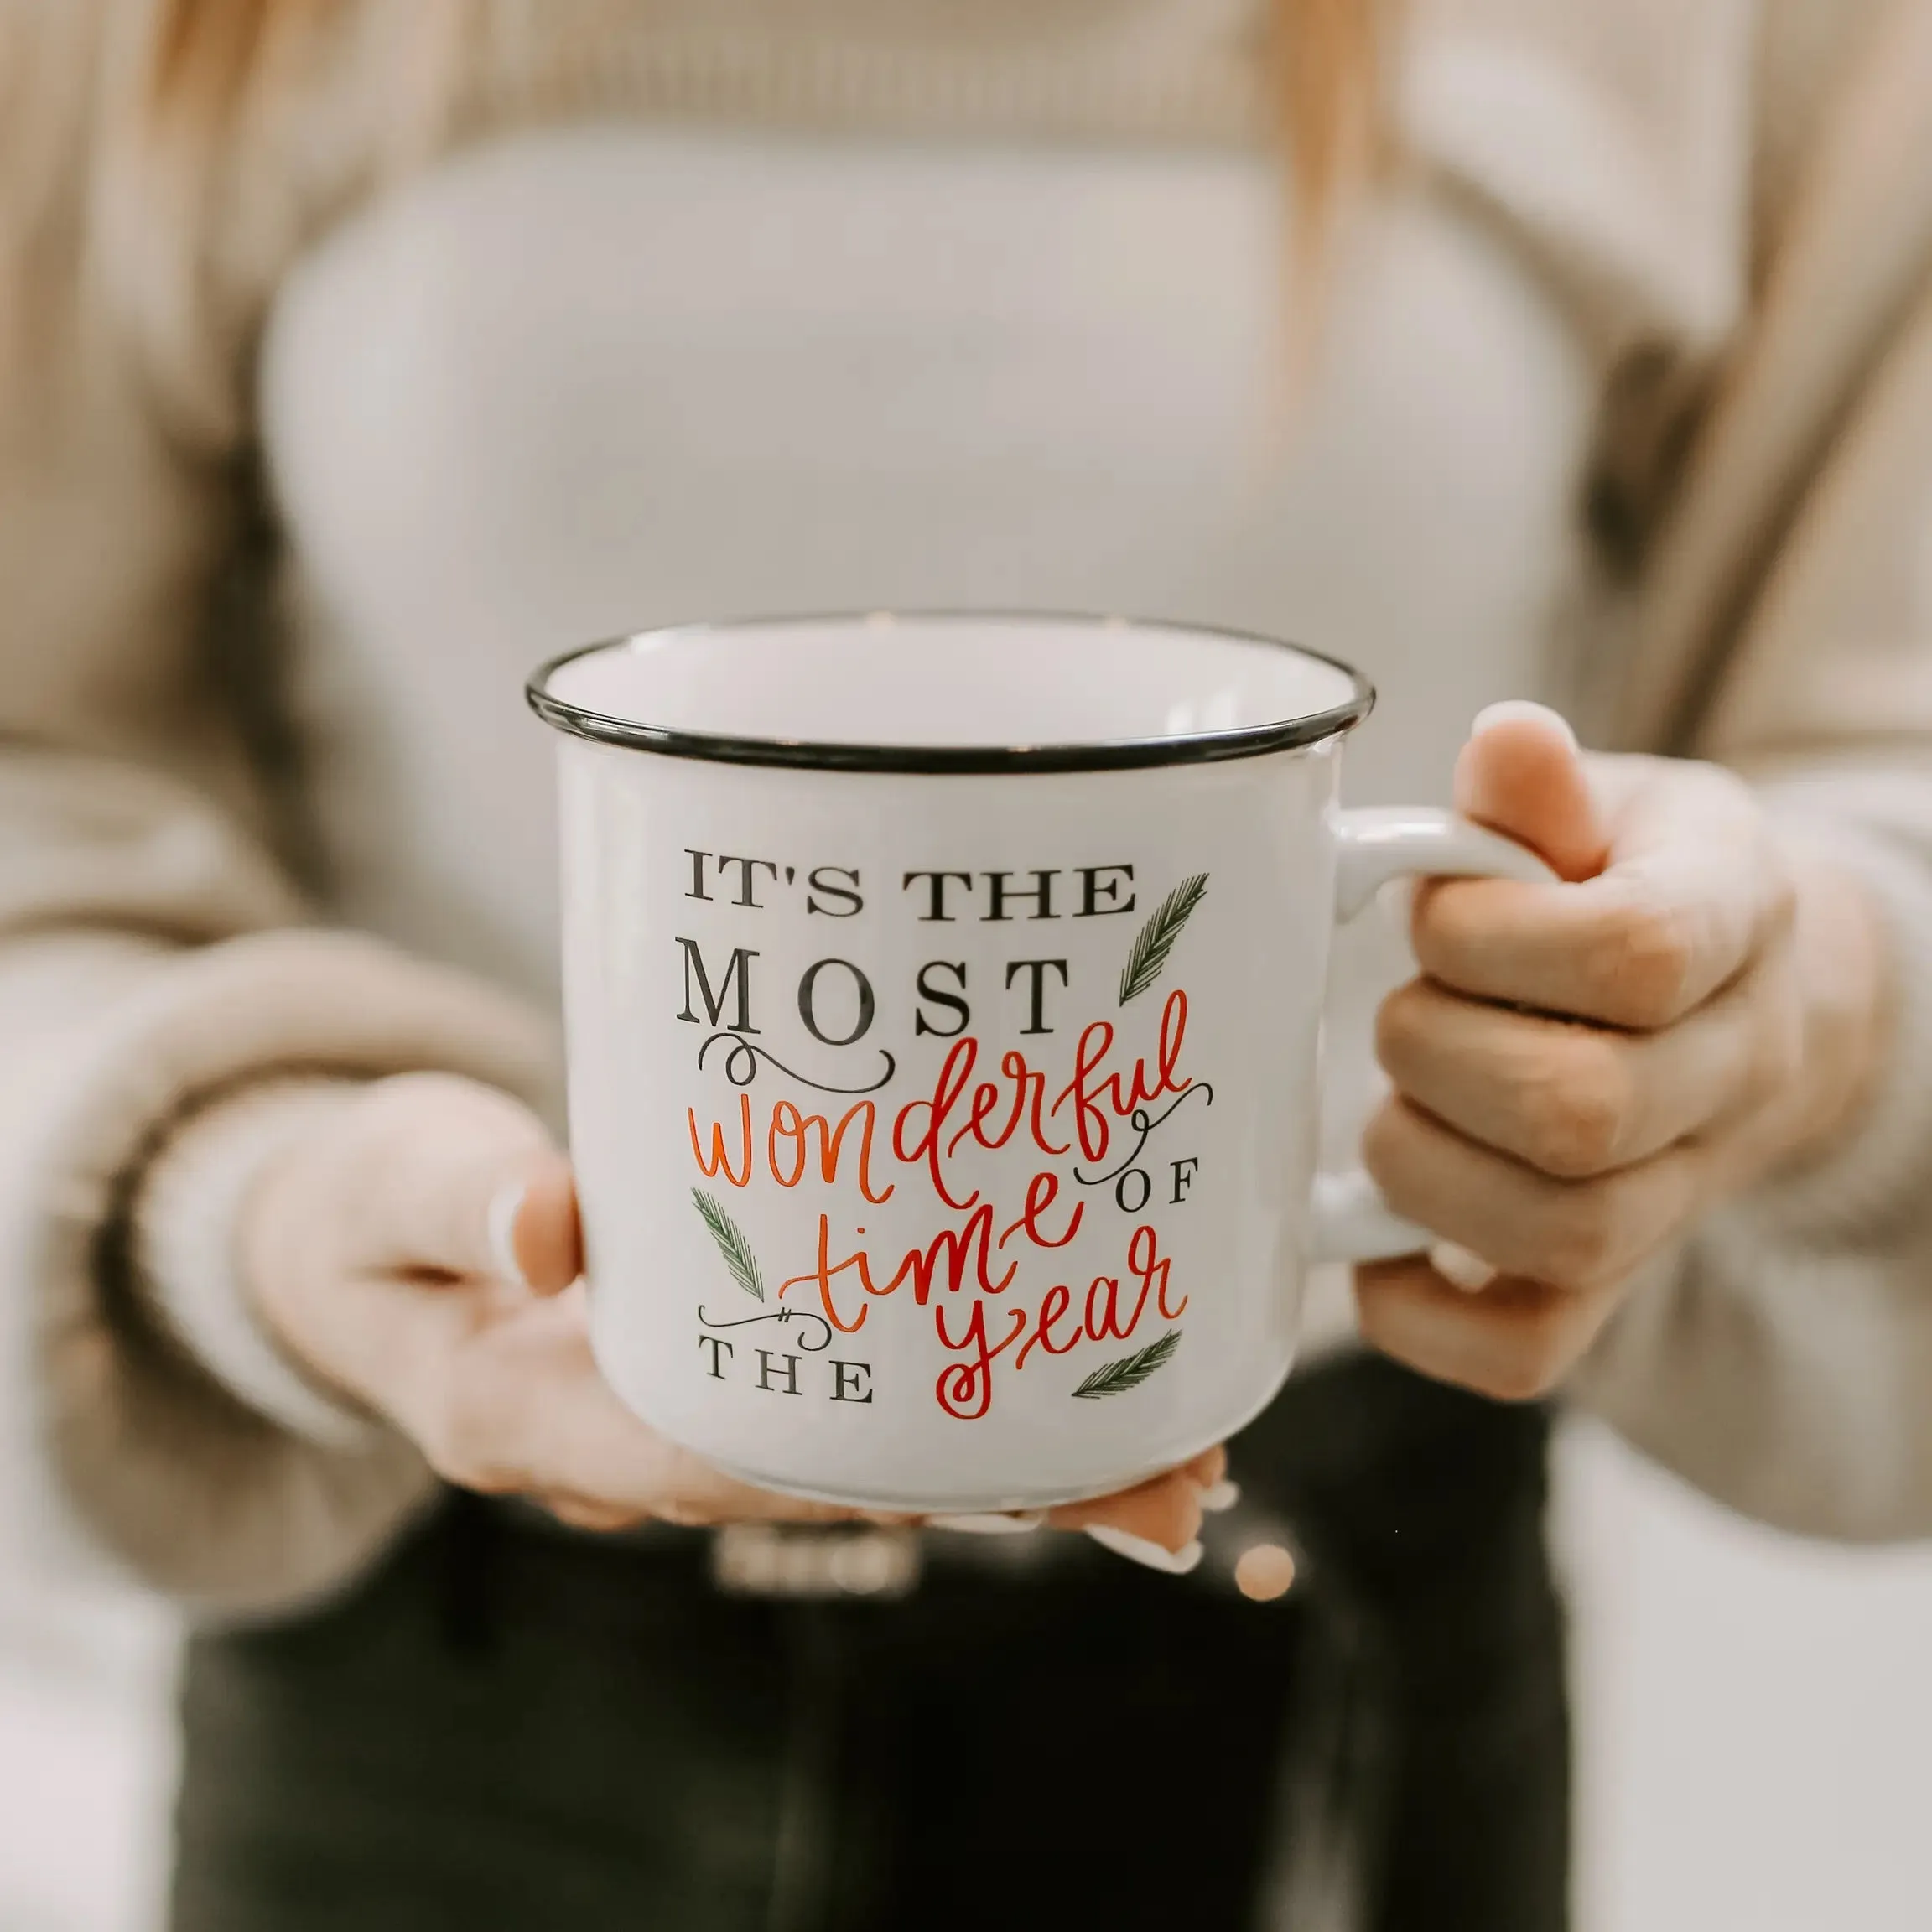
<point>1585,1068</point>
<point>419,1251</point>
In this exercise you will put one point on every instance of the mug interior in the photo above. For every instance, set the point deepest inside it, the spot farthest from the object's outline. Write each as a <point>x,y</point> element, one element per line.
<point>1027,687</point>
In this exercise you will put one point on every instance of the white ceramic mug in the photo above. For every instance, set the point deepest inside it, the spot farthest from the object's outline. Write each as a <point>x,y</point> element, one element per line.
<point>944,998</point>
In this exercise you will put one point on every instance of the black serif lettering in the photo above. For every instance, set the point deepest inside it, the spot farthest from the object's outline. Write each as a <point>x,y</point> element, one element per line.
<point>953,1002</point>
<point>937,883</point>
<point>789,1372</point>
<point>808,1003</point>
<point>825,879</point>
<point>737,975</point>
<point>998,892</point>
<point>1100,891</point>
<point>747,881</point>
<point>851,1381</point>
<point>1036,971</point>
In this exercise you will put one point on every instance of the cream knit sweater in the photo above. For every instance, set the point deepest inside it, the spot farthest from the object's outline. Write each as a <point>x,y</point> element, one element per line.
<point>1728,186</point>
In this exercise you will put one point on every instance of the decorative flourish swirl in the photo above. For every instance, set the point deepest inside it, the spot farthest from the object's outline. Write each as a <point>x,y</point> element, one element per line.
<point>1144,1124</point>
<point>824,1343</point>
<point>741,1066</point>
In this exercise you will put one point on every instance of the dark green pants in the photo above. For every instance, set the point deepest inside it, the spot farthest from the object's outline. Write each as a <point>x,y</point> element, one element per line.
<point>504,1730</point>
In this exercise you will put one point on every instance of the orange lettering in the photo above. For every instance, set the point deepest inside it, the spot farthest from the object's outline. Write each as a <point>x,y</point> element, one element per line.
<point>821,1278</point>
<point>791,1129</point>
<point>721,1161</point>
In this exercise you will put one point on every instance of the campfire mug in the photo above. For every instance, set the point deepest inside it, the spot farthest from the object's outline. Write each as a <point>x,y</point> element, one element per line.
<point>943,999</point>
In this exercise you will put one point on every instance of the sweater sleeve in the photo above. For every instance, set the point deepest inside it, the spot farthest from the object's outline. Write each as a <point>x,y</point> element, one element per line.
<point>1782,1360</point>
<point>154,958</point>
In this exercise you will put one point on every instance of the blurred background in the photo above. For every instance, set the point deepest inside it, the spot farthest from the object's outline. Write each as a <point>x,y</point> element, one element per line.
<point>1754,1724</point>
<point>1753,1714</point>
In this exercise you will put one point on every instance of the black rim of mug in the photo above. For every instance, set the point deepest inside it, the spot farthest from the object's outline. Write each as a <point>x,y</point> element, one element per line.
<point>1102,754</point>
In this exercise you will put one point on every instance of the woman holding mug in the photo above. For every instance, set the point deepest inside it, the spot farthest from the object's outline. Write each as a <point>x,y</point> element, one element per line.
<point>356,354</point>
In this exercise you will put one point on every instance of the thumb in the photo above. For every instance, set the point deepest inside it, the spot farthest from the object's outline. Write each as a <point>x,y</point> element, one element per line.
<point>534,1234</point>
<point>1521,774</point>
<point>451,1177</point>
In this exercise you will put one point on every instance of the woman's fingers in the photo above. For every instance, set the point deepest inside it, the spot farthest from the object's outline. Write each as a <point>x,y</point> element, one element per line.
<point>440,1231</point>
<point>535,1234</point>
<point>521,1408</point>
<point>1521,775</point>
<point>1572,1234</point>
<point>1585,1065</point>
<point>584,1513</point>
<point>1693,891</point>
<point>1514,1342</point>
<point>1156,1524</point>
<point>525,1411</point>
<point>436,1178</point>
<point>1577,1101</point>
<point>369,1246</point>
<point>440,1175</point>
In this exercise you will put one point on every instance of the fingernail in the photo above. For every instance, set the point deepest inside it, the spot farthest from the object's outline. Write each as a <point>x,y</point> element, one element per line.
<point>1525,710</point>
<point>1460,1269</point>
<point>1218,1498</point>
<point>502,1224</point>
<point>991,1524</point>
<point>1139,1549</point>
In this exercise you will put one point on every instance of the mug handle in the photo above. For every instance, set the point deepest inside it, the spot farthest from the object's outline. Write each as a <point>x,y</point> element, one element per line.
<point>1351,1221</point>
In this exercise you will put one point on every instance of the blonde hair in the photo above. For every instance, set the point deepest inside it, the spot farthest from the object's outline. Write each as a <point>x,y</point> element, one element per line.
<point>1329,58</point>
<point>206,58</point>
<point>1325,56</point>
<point>214,62</point>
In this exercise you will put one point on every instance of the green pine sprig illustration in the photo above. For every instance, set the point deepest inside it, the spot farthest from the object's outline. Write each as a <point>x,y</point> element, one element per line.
<point>1156,940</point>
<point>1130,1371</point>
<point>731,1245</point>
